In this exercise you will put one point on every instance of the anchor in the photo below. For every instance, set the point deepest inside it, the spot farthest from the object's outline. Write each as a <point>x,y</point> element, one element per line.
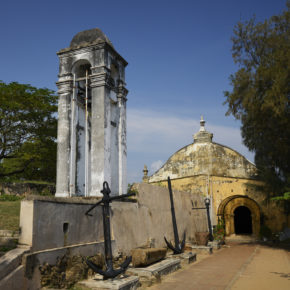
<point>110,272</point>
<point>179,247</point>
<point>207,203</point>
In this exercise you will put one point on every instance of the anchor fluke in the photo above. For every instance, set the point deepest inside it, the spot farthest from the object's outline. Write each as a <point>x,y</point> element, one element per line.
<point>126,263</point>
<point>95,268</point>
<point>178,249</point>
<point>110,272</point>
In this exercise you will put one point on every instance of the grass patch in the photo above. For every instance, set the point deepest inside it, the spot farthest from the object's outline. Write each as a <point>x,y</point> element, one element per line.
<point>9,197</point>
<point>9,215</point>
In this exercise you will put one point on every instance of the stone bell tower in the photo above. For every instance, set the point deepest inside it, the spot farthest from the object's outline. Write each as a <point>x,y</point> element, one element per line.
<point>91,117</point>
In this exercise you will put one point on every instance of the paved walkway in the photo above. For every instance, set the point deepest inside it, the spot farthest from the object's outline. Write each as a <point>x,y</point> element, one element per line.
<point>238,267</point>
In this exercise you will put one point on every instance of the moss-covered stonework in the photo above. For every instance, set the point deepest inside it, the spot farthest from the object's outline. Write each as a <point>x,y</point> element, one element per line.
<point>228,177</point>
<point>68,270</point>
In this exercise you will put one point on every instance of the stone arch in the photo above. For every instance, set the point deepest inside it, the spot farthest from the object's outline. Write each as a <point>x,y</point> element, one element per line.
<point>229,205</point>
<point>80,66</point>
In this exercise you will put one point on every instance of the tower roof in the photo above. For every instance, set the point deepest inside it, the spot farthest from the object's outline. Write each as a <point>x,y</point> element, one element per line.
<point>89,36</point>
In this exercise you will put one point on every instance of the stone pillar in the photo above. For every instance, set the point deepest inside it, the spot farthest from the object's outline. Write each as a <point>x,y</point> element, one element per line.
<point>122,137</point>
<point>100,167</point>
<point>65,88</point>
<point>145,174</point>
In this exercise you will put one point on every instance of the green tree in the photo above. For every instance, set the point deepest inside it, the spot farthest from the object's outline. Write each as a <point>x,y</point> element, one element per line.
<point>27,132</point>
<point>260,95</point>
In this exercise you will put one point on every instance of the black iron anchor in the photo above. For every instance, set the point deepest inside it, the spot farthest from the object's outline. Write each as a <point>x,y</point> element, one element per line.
<point>179,247</point>
<point>110,272</point>
<point>207,203</point>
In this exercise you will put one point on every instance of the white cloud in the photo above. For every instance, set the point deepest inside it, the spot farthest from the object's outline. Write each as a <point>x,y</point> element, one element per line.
<point>156,165</point>
<point>156,136</point>
<point>153,131</point>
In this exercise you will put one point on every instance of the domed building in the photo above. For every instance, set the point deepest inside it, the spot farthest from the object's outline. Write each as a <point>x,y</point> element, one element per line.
<point>228,179</point>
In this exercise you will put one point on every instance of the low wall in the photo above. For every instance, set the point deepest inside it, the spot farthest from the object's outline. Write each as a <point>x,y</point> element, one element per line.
<point>150,220</point>
<point>53,227</point>
<point>48,223</point>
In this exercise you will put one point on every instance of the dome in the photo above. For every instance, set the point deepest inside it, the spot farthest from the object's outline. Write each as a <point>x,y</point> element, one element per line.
<point>204,157</point>
<point>89,36</point>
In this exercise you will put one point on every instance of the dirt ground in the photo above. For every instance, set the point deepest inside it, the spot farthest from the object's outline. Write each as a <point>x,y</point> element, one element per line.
<point>236,266</point>
<point>269,268</point>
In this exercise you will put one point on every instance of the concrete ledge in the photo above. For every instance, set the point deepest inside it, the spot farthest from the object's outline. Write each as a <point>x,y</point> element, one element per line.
<point>154,272</point>
<point>202,249</point>
<point>11,260</point>
<point>124,283</point>
<point>185,258</point>
<point>215,244</point>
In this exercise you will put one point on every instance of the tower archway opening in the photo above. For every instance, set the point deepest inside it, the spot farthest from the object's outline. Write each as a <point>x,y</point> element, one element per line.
<point>81,127</point>
<point>243,221</point>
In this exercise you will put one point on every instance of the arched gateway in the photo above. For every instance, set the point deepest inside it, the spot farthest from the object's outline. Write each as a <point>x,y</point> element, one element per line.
<point>241,215</point>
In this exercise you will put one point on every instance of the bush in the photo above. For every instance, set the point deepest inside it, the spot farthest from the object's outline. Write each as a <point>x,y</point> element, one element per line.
<point>131,189</point>
<point>219,231</point>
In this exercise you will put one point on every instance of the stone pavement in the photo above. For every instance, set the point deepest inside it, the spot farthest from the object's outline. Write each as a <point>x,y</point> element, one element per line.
<point>239,267</point>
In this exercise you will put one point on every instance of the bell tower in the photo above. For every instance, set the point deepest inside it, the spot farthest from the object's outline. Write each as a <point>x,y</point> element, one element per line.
<point>91,117</point>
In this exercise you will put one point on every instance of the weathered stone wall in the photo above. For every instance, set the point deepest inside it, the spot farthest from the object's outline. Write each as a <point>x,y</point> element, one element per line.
<point>17,188</point>
<point>150,218</point>
<point>48,223</point>
<point>222,187</point>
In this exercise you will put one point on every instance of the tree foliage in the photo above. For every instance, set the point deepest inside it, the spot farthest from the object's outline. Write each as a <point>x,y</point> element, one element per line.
<point>27,132</point>
<point>260,95</point>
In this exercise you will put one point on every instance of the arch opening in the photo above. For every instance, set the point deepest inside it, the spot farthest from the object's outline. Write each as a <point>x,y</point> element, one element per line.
<point>81,131</point>
<point>243,220</point>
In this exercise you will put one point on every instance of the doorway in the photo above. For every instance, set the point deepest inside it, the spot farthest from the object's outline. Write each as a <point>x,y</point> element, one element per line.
<point>243,221</point>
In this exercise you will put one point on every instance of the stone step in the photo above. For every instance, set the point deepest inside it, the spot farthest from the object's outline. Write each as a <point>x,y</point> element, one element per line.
<point>122,283</point>
<point>215,244</point>
<point>153,273</point>
<point>202,249</point>
<point>185,258</point>
<point>241,238</point>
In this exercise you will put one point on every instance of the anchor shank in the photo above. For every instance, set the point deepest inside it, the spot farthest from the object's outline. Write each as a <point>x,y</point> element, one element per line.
<point>175,231</point>
<point>107,235</point>
<point>209,221</point>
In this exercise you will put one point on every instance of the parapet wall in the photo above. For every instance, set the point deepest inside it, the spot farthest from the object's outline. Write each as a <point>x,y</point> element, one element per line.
<point>149,220</point>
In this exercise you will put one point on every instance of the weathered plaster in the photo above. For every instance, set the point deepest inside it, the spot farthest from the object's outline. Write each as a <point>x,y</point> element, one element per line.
<point>214,170</point>
<point>106,153</point>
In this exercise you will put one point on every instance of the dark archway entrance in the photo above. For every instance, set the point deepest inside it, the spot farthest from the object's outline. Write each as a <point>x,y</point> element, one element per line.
<point>243,220</point>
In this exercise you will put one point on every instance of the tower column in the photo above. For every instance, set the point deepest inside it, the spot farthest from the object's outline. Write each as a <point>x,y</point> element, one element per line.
<point>100,134</point>
<point>65,88</point>
<point>122,137</point>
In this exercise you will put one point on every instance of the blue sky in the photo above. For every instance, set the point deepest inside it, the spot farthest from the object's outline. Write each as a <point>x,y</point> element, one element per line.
<point>179,55</point>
